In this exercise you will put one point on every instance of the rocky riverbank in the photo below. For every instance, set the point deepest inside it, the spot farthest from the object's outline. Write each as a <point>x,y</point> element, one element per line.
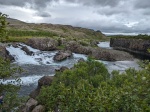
<point>73,46</point>
<point>137,46</point>
<point>47,44</point>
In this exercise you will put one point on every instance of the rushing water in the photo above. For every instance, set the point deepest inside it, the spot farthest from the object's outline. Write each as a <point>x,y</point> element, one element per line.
<point>41,63</point>
<point>104,45</point>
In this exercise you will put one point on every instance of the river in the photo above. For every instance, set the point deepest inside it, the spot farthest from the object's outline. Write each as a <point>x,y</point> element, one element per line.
<point>41,63</point>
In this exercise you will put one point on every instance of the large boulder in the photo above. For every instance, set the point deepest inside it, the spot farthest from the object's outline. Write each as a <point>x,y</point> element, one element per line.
<point>61,55</point>
<point>25,49</point>
<point>44,81</point>
<point>44,44</point>
<point>77,48</point>
<point>5,54</point>
<point>30,105</point>
<point>63,68</point>
<point>110,55</point>
<point>39,108</point>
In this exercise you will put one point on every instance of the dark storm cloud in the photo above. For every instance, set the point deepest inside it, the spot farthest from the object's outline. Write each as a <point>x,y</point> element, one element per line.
<point>13,2</point>
<point>111,3</point>
<point>110,16</point>
<point>34,3</point>
<point>43,14</point>
<point>109,11</point>
<point>142,4</point>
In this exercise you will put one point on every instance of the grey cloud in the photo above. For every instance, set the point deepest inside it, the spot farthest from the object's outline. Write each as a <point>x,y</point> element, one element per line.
<point>13,2</point>
<point>110,16</point>
<point>34,3</point>
<point>111,3</point>
<point>109,11</point>
<point>43,14</point>
<point>143,4</point>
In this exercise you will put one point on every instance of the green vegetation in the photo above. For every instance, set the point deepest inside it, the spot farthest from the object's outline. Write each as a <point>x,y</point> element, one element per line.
<point>21,33</point>
<point>10,91</point>
<point>3,24</point>
<point>140,36</point>
<point>88,87</point>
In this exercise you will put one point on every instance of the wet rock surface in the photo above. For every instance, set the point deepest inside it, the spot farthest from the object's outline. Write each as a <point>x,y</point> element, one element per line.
<point>32,105</point>
<point>61,55</point>
<point>78,48</point>
<point>28,52</point>
<point>5,54</point>
<point>44,81</point>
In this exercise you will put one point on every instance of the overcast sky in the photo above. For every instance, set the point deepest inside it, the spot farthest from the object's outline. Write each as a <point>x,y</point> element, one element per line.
<point>108,16</point>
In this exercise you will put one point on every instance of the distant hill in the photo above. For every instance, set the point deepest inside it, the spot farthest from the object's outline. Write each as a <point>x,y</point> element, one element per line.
<point>66,31</point>
<point>14,21</point>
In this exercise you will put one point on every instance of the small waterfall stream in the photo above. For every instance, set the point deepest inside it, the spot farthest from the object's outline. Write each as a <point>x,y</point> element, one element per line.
<point>41,63</point>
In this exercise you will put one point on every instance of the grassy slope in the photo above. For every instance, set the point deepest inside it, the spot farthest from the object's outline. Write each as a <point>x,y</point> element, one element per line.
<point>20,31</point>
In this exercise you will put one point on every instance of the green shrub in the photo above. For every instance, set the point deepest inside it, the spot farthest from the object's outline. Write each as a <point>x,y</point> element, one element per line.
<point>88,87</point>
<point>3,25</point>
<point>10,91</point>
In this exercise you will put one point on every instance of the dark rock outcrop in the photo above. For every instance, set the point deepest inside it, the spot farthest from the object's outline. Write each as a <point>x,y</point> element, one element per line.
<point>44,81</point>
<point>30,105</point>
<point>138,46</point>
<point>5,54</point>
<point>28,52</point>
<point>44,44</point>
<point>63,68</point>
<point>77,48</point>
<point>99,53</point>
<point>39,108</point>
<point>61,55</point>
<point>110,55</point>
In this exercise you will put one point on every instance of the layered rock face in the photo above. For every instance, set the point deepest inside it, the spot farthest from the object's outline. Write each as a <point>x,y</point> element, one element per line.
<point>110,55</point>
<point>5,54</point>
<point>78,48</point>
<point>99,53</point>
<point>138,46</point>
<point>44,44</point>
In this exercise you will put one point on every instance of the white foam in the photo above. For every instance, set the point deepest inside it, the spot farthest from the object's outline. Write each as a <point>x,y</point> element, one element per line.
<point>121,65</point>
<point>37,58</point>
<point>79,56</point>
<point>28,80</point>
<point>21,57</point>
<point>30,48</point>
<point>104,45</point>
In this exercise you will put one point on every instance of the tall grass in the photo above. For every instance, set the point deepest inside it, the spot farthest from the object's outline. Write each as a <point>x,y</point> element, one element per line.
<point>21,33</point>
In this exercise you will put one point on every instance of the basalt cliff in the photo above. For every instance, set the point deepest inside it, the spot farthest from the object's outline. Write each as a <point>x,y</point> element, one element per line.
<point>136,46</point>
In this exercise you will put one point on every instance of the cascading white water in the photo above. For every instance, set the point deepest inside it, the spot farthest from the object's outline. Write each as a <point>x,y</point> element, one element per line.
<point>41,63</point>
<point>38,57</point>
<point>104,45</point>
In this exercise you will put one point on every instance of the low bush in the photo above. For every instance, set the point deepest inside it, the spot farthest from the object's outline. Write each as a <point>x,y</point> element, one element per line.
<point>88,87</point>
